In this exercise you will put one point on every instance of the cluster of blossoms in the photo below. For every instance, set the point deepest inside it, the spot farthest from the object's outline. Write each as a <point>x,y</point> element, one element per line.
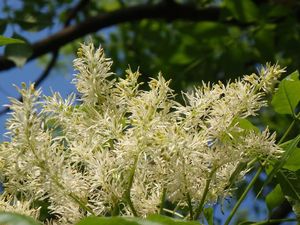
<point>123,150</point>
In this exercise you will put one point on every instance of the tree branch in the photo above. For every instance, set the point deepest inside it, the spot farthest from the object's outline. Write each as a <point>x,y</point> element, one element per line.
<point>74,11</point>
<point>163,10</point>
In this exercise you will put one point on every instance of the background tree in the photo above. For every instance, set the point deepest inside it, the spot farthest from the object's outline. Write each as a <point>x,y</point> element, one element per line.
<point>188,40</point>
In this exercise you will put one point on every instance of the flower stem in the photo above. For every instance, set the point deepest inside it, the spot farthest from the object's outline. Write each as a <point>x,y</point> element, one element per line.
<point>189,201</point>
<point>205,192</point>
<point>287,132</point>
<point>173,212</point>
<point>163,196</point>
<point>243,196</point>
<point>127,194</point>
<point>82,205</point>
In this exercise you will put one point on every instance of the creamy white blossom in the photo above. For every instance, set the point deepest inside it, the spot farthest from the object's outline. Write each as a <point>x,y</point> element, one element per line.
<point>122,149</point>
<point>10,203</point>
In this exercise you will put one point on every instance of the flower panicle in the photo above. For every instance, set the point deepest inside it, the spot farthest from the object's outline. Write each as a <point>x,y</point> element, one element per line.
<point>124,148</point>
<point>93,71</point>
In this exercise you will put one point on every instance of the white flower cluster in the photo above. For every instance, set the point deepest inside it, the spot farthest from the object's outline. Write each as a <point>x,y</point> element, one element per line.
<point>123,150</point>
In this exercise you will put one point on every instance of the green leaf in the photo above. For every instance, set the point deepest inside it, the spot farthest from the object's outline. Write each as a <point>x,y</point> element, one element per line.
<point>168,221</point>
<point>110,5</point>
<point>290,183</point>
<point>93,220</point>
<point>248,223</point>
<point>208,29</point>
<point>8,41</point>
<point>245,10</point>
<point>33,21</point>
<point>236,173</point>
<point>293,162</point>
<point>247,125</point>
<point>287,97</point>
<point>18,53</point>
<point>7,218</point>
<point>151,220</point>
<point>274,198</point>
<point>209,215</point>
<point>290,148</point>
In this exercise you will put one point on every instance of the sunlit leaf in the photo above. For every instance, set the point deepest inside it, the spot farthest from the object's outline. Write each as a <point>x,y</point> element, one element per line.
<point>18,53</point>
<point>209,215</point>
<point>246,125</point>
<point>274,198</point>
<point>287,97</point>
<point>8,41</point>
<point>293,162</point>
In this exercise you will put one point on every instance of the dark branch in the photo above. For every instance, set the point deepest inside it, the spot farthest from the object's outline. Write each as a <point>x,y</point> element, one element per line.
<point>73,12</point>
<point>164,11</point>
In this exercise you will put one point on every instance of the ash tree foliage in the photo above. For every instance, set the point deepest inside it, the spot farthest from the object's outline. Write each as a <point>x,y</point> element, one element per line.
<point>121,154</point>
<point>201,39</point>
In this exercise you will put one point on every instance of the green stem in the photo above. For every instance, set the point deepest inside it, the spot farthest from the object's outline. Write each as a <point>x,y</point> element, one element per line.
<point>176,208</point>
<point>251,163</point>
<point>127,194</point>
<point>188,197</point>
<point>297,116</point>
<point>82,205</point>
<point>243,196</point>
<point>287,132</point>
<point>189,201</point>
<point>174,213</point>
<point>205,192</point>
<point>163,197</point>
